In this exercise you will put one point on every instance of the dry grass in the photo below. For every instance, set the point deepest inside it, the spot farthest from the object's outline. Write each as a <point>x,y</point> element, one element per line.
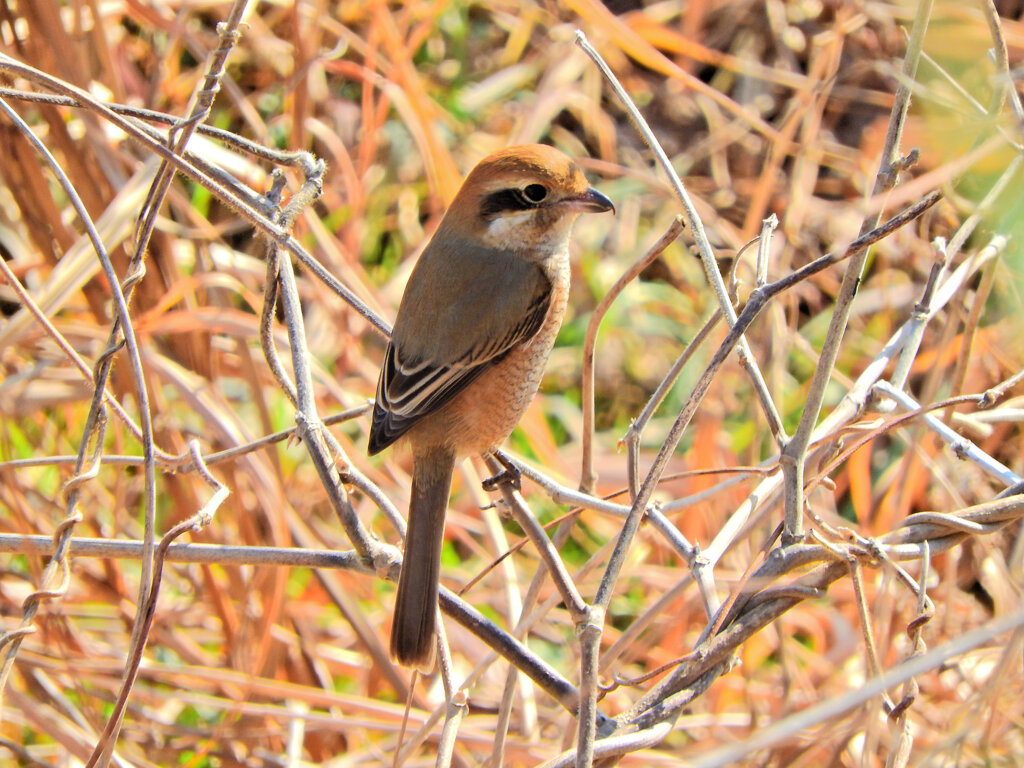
<point>764,108</point>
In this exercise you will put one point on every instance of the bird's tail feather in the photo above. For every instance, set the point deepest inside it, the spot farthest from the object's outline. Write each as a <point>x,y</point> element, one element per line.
<point>412,629</point>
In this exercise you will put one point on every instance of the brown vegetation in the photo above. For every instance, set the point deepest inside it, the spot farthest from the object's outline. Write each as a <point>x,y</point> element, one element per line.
<point>717,636</point>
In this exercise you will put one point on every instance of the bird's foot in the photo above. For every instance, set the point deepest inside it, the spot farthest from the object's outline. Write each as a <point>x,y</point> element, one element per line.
<point>510,473</point>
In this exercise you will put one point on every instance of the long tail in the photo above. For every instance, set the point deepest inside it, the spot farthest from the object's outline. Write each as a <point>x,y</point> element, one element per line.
<point>412,629</point>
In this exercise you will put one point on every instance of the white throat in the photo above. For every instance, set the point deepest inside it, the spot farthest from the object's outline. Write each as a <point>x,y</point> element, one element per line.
<point>519,231</point>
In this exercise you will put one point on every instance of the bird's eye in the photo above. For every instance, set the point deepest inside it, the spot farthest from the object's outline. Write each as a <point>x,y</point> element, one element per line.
<point>535,193</point>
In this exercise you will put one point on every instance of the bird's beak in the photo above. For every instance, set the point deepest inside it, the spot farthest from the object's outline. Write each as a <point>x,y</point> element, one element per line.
<point>590,201</point>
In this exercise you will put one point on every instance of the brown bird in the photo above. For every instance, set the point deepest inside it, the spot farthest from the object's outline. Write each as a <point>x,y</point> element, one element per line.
<point>474,329</point>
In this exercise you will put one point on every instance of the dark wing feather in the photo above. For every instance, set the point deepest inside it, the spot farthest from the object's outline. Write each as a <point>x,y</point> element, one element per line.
<point>408,390</point>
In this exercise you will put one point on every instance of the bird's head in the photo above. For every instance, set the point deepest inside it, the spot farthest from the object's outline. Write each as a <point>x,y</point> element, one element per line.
<point>524,197</point>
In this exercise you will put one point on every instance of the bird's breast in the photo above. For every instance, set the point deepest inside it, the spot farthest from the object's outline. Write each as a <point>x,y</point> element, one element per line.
<point>483,415</point>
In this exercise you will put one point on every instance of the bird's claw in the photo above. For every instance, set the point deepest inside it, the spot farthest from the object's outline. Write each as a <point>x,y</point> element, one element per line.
<point>509,475</point>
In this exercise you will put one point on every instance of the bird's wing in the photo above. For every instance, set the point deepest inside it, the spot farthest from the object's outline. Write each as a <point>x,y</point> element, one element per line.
<point>456,319</point>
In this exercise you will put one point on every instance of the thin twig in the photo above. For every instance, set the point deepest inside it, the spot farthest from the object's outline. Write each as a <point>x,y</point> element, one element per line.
<point>96,420</point>
<point>228,195</point>
<point>458,708</point>
<point>299,159</point>
<point>587,476</point>
<point>794,455</point>
<point>526,519</point>
<point>831,709</point>
<point>131,549</point>
<point>203,517</point>
<point>754,305</point>
<point>696,227</point>
<point>635,433</point>
<point>310,428</point>
<point>668,698</point>
<point>963,448</point>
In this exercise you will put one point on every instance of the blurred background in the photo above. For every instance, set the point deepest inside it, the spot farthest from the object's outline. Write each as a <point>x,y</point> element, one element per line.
<point>764,108</point>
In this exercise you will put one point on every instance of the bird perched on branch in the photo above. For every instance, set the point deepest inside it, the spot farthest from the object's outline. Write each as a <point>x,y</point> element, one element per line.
<point>474,330</point>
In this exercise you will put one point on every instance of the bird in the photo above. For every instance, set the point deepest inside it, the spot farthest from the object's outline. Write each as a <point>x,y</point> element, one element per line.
<point>473,332</point>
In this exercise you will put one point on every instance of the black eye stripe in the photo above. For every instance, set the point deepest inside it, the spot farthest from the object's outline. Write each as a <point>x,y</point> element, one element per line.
<point>505,200</point>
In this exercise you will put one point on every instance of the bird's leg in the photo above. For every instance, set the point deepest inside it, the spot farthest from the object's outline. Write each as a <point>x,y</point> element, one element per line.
<point>510,473</point>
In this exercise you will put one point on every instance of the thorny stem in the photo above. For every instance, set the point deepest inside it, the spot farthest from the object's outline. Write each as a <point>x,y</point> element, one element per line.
<point>105,743</point>
<point>96,420</point>
<point>696,226</point>
<point>228,195</point>
<point>754,305</point>
<point>589,635</point>
<point>587,476</point>
<point>228,33</point>
<point>714,276</point>
<point>310,428</point>
<point>785,560</point>
<point>794,454</point>
<point>526,519</point>
<point>832,709</point>
<point>632,437</point>
<point>300,158</point>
